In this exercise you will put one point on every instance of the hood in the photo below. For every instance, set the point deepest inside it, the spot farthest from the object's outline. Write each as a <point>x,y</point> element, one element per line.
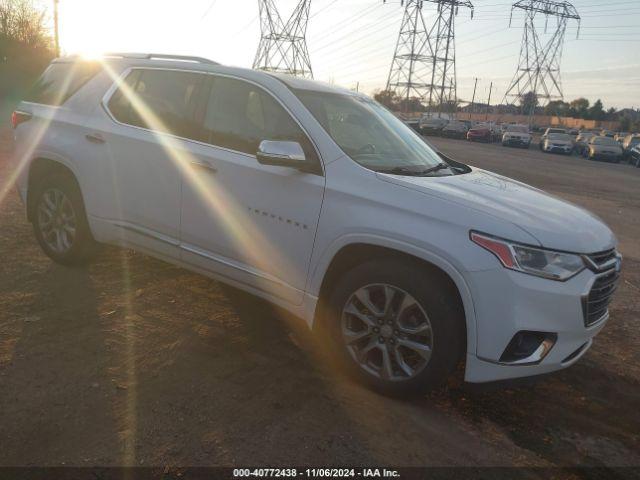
<point>517,134</point>
<point>555,223</point>
<point>605,148</point>
<point>558,142</point>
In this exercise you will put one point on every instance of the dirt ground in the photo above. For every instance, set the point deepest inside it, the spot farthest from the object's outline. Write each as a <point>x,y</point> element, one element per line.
<point>135,362</point>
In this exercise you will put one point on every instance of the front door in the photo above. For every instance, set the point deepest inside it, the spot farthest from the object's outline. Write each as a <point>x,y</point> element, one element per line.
<point>251,223</point>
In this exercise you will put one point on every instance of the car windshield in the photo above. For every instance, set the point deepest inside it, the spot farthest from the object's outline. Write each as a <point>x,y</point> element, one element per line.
<point>559,136</point>
<point>371,135</point>
<point>517,128</point>
<point>604,141</point>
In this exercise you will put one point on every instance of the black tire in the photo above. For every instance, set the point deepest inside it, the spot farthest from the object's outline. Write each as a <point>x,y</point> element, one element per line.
<point>83,246</point>
<point>437,297</point>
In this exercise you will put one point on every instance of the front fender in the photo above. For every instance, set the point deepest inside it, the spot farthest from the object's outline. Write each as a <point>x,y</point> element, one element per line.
<point>321,267</point>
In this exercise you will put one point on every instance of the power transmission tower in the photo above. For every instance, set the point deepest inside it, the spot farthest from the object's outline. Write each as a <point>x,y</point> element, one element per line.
<point>424,62</point>
<point>538,72</point>
<point>283,46</point>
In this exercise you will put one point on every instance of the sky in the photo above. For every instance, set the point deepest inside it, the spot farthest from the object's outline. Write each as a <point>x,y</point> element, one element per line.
<point>351,42</point>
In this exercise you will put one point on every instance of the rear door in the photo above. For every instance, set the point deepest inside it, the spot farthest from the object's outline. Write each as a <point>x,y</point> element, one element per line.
<point>153,114</point>
<point>248,222</point>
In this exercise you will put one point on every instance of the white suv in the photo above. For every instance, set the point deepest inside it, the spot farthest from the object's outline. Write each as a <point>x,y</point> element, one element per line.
<point>321,201</point>
<point>516,135</point>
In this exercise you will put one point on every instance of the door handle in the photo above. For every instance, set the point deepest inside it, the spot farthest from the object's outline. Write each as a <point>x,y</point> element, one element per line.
<point>94,138</point>
<point>204,166</point>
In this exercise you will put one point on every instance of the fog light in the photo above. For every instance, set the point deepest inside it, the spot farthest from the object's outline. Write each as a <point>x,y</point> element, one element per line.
<point>528,347</point>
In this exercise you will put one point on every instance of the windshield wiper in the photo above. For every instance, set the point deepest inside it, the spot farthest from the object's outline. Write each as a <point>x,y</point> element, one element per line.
<point>415,173</point>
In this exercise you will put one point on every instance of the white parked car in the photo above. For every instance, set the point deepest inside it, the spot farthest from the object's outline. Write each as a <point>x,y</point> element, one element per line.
<point>516,136</point>
<point>558,143</point>
<point>321,201</point>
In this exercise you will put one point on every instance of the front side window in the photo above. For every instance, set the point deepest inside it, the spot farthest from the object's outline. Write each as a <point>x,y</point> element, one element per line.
<point>370,134</point>
<point>162,101</point>
<point>60,81</point>
<point>240,115</point>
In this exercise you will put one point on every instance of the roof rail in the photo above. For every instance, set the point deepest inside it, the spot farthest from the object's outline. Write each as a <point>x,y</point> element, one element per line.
<point>162,56</point>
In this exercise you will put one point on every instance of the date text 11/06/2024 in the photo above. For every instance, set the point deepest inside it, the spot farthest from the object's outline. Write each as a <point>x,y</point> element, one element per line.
<point>315,472</point>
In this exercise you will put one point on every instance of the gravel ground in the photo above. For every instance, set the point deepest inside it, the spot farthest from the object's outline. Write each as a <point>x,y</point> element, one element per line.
<point>131,361</point>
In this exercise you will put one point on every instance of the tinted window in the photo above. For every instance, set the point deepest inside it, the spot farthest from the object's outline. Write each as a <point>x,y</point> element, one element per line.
<point>162,101</point>
<point>60,81</point>
<point>119,104</point>
<point>240,115</point>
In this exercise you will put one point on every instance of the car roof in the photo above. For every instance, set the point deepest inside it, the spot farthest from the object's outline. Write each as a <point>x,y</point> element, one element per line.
<point>186,62</point>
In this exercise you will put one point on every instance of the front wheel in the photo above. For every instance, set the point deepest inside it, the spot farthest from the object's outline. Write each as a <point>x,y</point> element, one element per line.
<point>60,222</point>
<point>398,327</point>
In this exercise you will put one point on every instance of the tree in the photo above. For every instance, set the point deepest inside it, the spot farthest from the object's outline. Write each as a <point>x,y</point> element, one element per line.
<point>580,108</point>
<point>557,108</point>
<point>26,46</point>
<point>596,112</point>
<point>625,124</point>
<point>528,102</point>
<point>388,98</point>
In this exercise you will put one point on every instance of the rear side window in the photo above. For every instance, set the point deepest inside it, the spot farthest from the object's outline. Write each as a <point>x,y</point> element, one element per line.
<point>240,115</point>
<point>60,81</point>
<point>158,100</point>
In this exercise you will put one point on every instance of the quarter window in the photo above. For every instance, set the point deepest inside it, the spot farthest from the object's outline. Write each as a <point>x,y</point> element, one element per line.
<point>240,115</point>
<point>60,81</point>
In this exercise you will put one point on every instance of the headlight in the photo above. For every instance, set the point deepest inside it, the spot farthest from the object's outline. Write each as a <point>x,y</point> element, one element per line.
<point>534,261</point>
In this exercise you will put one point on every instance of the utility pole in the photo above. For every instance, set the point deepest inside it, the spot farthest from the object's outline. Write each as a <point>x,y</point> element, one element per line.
<point>486,114</point>
<point>473,99</point>
<point>538,69</point>
<point>56,32</point>
<point>283,46</point>
<point>423,63</point>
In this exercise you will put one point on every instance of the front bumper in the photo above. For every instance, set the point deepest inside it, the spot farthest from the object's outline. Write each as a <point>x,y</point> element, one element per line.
<point>559,149</point>
<point>516,142</point>
<point>609,157</point>
<point>507,302</point>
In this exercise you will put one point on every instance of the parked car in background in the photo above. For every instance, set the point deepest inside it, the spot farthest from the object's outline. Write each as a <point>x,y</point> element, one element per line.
<point>481,133</point>
<point>634,156</point>
<point>549,131</point>
<point>620,136</point>
<point>455,130</point>
<point>607,133</point>
<point>558,143</point>
<point>574,132</point>
<point>582,141</point>
<point>629,143</point>
<point>516,136</point>
<point>432,126</point>
<point>603,148</point>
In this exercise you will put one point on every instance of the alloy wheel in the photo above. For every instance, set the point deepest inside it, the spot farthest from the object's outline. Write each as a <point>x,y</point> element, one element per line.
<point>57,221</point>
<point>387,332</point>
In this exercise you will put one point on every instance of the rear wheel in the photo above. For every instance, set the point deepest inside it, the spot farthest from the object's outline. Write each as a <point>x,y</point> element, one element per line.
<point>398,327</point>
<point>60,222</point>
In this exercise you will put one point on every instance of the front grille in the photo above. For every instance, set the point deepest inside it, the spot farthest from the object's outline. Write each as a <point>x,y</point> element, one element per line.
<point>596,304</point>
<point>600,259</point>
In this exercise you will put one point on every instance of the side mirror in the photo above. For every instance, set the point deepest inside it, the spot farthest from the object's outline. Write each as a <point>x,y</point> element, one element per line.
<point>282,154</point>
